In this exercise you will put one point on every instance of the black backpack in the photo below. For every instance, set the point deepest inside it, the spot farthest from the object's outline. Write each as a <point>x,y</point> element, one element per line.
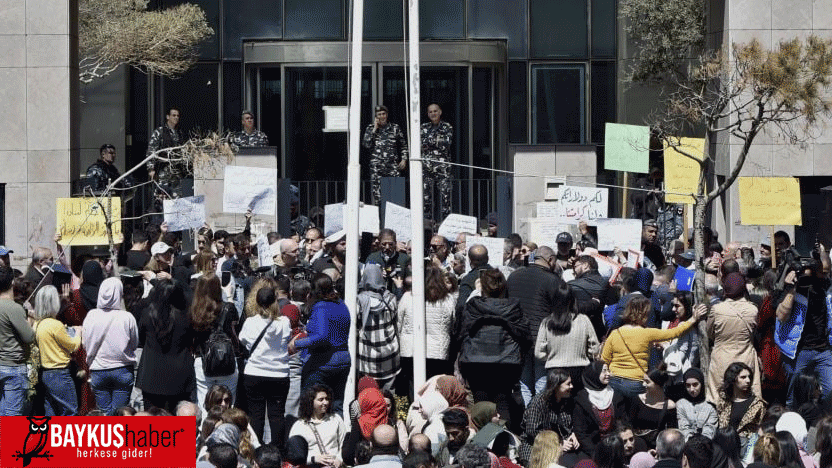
<point>218,357</point>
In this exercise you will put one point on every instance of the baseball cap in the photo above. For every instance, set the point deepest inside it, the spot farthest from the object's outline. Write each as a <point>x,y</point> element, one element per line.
<point>689,254</point>
<point>335,237</point>
<point>564,237</point>
<point>160,248</point>
<point>4,250</point>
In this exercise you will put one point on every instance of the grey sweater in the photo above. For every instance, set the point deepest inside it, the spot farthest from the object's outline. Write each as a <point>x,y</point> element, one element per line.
<point>15,334</point>
<point>695,418</point>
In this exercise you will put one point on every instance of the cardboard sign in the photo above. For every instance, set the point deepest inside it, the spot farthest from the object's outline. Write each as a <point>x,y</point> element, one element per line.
<point>544,231</point>
<point>252,188</point>
<point>183,214</point>
<point>622,233</point>
<point>627,148</point>
<point>82,221</point>
<point>456,223</point>
<point>264,252</point>
<point>547,210</point>
<point>770,201</point>
<point>368,218</point>
<point>583,203</point>
<point>397,218</point>
<point>681,173</point>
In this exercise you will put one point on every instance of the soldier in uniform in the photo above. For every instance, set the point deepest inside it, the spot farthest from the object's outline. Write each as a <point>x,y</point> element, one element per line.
<point>436,144</point>
<point>389,148</point>
<point>250,136</point>
<point>103,171</point>
<point>166,136</point>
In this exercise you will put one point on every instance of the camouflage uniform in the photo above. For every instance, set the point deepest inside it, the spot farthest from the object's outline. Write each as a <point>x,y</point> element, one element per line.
<point>387,144</point>
<point>169,175</point>
<point>101,173</point>
<point>250,140</point>
<point>436,145</point>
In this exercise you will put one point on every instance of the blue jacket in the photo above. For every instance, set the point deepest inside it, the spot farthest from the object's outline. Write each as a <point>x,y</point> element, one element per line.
<point>328,329</point>
<point>787,334</point>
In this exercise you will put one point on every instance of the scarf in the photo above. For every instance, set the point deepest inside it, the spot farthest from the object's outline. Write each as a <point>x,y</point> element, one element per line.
<point>373,411</point>
<point>452,390</point>
<point>482,413</point>
<point>600,395</point>
<point>109,294</point>
<point>93,276</point>
<point>695,373</point>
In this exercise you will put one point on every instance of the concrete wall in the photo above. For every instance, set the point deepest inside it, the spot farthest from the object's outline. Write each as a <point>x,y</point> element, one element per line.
<point>39,100</point>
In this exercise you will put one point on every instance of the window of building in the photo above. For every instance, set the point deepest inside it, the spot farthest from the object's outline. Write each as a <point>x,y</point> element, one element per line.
<point>442,19</point>
<point>518,106</point>
<point>314,19</point>
<point>383,20</point>
<point>559,28</point>
<point>558,103</point>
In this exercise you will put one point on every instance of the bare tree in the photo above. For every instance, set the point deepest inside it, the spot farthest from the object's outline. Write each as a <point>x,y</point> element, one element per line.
<point>116,32</point>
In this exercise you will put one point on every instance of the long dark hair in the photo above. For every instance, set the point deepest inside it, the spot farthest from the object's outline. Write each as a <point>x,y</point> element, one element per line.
<point>609,453</point>
<point>823,442</point>
<point>789,453</point>
<point>554,379</point>
<point>166,301</point>
<point>729,441</point>
<point>560,320</point>
<point>435,288</point>
<point>805,389</point>
<point>207,302</point>
<point>731,374</point>
<point>323,289</point>
<point>686,299</point>
<point>306,404</point>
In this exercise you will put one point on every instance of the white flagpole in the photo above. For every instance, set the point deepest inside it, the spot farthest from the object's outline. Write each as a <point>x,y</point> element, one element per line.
<point>416,200</point>
<point>353,189</point>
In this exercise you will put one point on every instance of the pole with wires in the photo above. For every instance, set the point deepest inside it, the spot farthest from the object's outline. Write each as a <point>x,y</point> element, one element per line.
<point>416,200</point>
<point>353,189</point>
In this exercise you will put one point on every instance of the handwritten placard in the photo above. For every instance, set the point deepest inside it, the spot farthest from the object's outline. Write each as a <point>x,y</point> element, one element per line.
<point>495,247</point>
<point>681,171</point>
<point>183,214</point>
<point>82,221</point>
<point>770,201</point>
<point>622,233</point>
<point>397,218</point>
<point>583,203</point>
<point>264,252</point>
<point>544,231</point>
<point>252,188</point>
<point>547,210</point>
<point>626,148</point>
<point>456,223</point>
<point>368,218</point>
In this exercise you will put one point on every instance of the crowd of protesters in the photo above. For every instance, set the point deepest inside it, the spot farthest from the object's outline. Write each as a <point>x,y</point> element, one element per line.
<point>553,355</point>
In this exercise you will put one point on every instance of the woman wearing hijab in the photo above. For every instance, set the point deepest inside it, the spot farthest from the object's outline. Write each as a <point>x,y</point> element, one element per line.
<point>696,416</point>
<point>81,301</point>
<point>731,326</point>
<point>378,343</point>
<point>111,336</point>
<point>597,407</point>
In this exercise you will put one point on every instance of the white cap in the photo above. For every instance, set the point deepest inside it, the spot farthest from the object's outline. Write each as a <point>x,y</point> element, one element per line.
<point>160,248</point>
<point>335,237</point>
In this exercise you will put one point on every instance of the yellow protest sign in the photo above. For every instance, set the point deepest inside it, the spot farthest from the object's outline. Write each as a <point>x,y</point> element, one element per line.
<point>81,221</point>
<point>770,201</point>
<point>681,173</point>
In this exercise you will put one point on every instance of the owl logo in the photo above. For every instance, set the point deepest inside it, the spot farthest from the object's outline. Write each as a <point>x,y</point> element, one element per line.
<point>35,440</point>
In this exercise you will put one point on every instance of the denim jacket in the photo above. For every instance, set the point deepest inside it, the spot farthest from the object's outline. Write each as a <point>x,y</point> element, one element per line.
<point>787,334</point>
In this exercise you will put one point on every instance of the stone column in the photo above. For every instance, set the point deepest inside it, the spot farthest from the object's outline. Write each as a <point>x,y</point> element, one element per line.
<point>39,99</point>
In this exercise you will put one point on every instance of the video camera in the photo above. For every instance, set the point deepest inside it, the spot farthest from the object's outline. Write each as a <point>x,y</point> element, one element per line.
<point>793,261</point>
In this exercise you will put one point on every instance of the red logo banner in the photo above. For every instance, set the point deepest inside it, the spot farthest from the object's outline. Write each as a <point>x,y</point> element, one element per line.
<point>98,441</point>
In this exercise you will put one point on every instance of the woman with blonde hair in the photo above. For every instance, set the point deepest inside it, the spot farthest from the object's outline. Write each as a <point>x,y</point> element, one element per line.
<point>627,348</point>
<point>546,450</point>
<point>238,417</point>
<point>56,344</point>
<point>251,307</point>
<point>767,450</point>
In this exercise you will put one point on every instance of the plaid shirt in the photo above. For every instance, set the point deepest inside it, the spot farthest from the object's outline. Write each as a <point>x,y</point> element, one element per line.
<point>378,343</point>
<point>540,416</point>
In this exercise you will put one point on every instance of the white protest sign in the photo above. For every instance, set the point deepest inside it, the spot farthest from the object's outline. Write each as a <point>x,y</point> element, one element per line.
<point>368,218</point>
<point>397,218</point>
<point>585,203</point>
<point>495,247</point>
<point>634,258</point>
<point>456,223</point>
<point>252,188</point>
<point>183,214</point>
<point>264,252</point>
<point>547,210</point>
<point>544,231</point>
<point>622,233</point>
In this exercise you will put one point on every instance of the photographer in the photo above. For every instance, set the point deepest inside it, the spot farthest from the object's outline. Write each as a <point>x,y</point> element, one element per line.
<point>805,311</point>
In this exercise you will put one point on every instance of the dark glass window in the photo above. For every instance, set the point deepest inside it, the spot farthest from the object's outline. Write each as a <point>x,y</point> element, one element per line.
<point>250,19</point>
<point>232,95</point>
<point>314,19</point>
<point>603,28</point>
<point>518,109</point>
<point>272,110</point>
<point>441,19</point>
<point>481,121</point>
<point>603,81</point>
<point>500,19</point>
<point>558,28</point>
<point>383,19</point>
<point>195,94</point>
<point>558,108</point>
